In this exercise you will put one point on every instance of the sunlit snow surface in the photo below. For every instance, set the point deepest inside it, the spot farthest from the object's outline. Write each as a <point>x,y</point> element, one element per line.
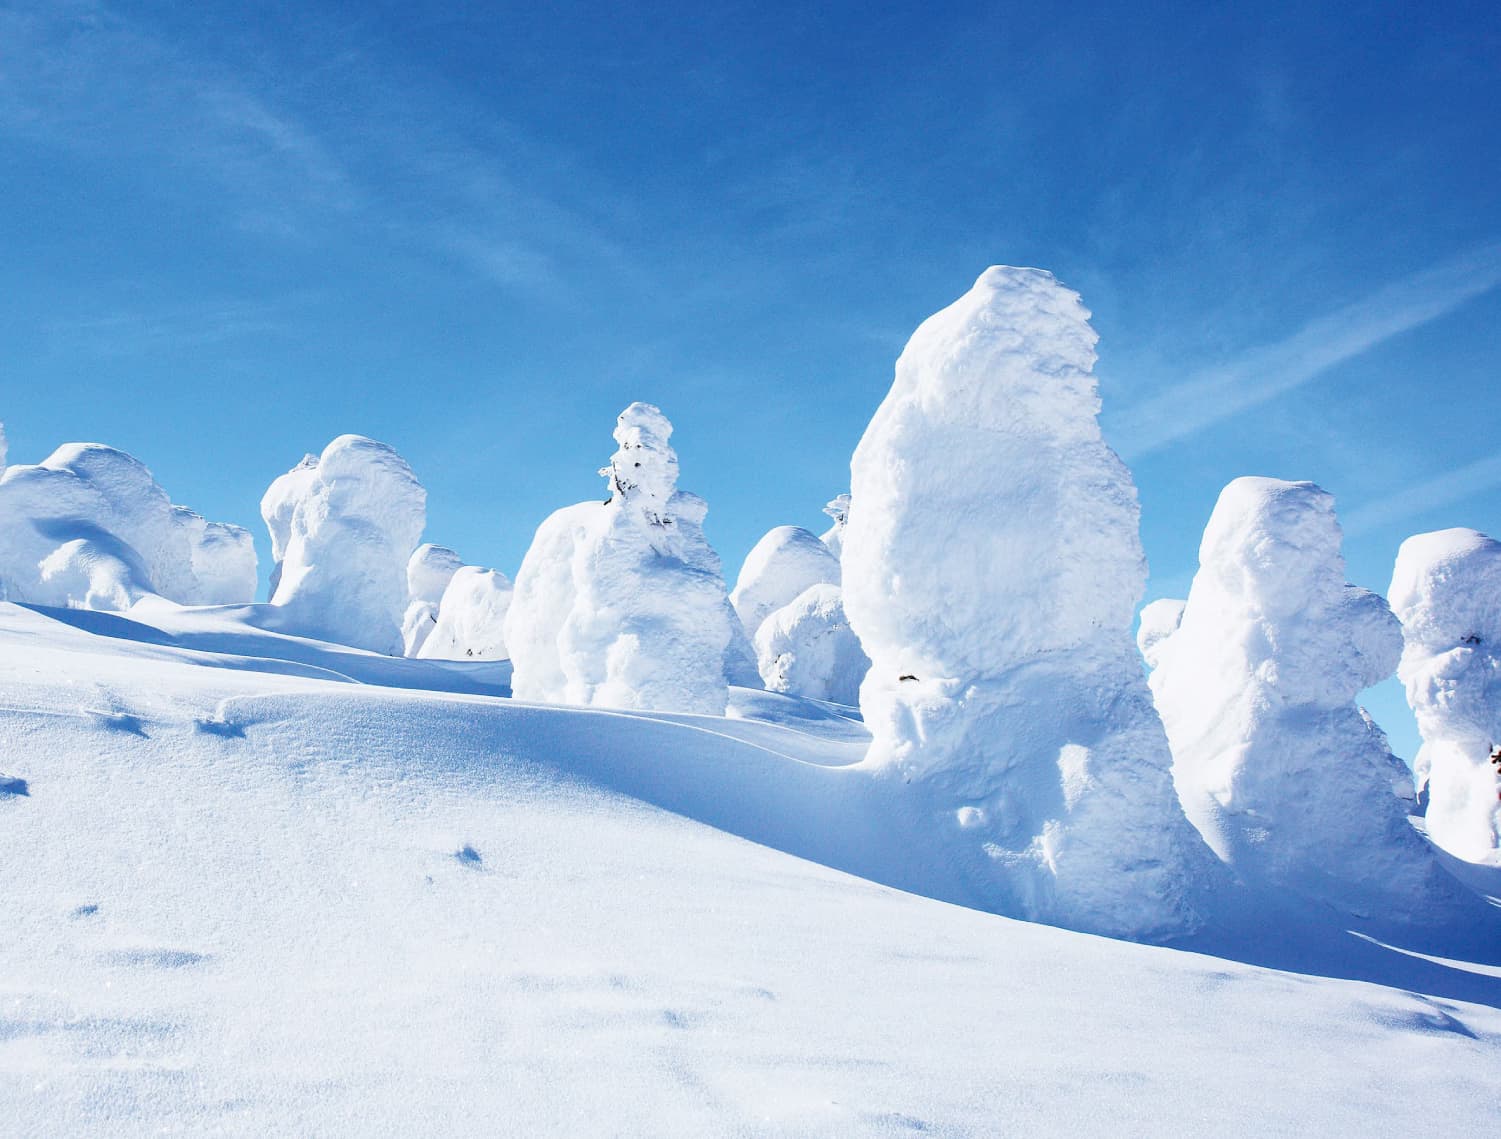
<point>258,885</point>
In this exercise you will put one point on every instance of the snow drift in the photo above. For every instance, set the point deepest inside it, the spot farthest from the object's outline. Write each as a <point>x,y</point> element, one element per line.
<point>429,570</point>
<point>89,528</point>
<point>1446,588</point>
<point>1284,776</point>
<point>807,648</point>
<point>621,604</point>
<point>991,571</point>
<point>343,527</point>
<point>471,621</point>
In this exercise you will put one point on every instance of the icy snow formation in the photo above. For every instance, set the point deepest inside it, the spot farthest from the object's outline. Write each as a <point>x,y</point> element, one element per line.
<point>429,570</point>
<point>839,510</point>
<point>621,604</point>
<point>1285,777</point>
<point>807,648</point>
<point>784,563</point>
<point>992,572</point>
<point>343,526</point>
<point>89,528</point>
<point>1446,588</point>
<point>471,617</point>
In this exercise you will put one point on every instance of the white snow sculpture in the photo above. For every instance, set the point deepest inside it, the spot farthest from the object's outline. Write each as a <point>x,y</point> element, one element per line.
<point>429,570</point>
<point>1446,588</point>
<point>991,571</point>
<point>90,528</point>
<point>839,510</point>
<point>621,604</point>
<point>1284,776</point>
<point>785,562</point>
<point>343,526</point>
<point>807,648</point>
<point>471,617</point>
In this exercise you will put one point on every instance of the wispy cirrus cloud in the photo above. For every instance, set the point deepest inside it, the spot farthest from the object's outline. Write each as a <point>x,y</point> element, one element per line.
<point>1264,373</point>
<point>1433,493</point>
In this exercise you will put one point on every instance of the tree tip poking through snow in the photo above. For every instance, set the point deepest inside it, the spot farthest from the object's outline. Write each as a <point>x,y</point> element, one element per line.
<point>429,570</point>
<point>1446,589</point>
<point>992,571</point>
<point>1286,777</point>
<point>807,648</point>
<point>838,509</point>
<point>621,604</point>
<point>471,617</point>
<point>89,528</point>
<point>786,561</point>
<point>343,526</point>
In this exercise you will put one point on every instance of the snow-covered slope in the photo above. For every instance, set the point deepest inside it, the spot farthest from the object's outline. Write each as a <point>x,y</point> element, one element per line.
<point>245,893</point>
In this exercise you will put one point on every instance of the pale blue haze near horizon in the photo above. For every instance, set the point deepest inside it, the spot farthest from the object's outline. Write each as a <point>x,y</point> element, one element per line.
<point>232,232</point>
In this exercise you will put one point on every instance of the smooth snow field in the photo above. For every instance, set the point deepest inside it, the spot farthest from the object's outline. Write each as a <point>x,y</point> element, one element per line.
<point>254,884</point>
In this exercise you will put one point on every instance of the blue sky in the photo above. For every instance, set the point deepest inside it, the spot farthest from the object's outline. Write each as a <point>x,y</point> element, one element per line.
<point>476,231</point>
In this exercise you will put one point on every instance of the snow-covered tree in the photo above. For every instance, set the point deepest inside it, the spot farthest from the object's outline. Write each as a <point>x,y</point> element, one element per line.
<point>807,648</point>
<point>839,510</point>
<point>1287,779</point>
<point>343,527</point>
<point>429,570</point>
<point>89,528</point>
<point>471,617</point>
<point>992,566</point>
<point>622,604</point>
<point>785,562</point>
<point>1446,589</point>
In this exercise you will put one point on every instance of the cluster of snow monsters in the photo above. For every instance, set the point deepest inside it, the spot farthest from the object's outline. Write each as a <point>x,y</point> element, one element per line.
<point>985,637</point>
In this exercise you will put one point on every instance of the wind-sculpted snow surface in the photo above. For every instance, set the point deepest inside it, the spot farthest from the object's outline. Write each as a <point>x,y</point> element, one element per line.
<point>1286,779</point>
<point>785,562</point>
<point>992,565</point>
<point>343,526</point>
<point>807,648</point>
<point>1446,588</point>
<point>621,604</point>
<point>471,618</point>
<point>89,528</point>
<point>429,570</point>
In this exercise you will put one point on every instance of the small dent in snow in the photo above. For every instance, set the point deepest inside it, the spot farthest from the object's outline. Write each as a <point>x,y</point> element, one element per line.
<point>155,957</point>
<point>220,727</point>
<point>468,856</point>
<point>12,785</point>
<point>119,722</point>
<point>87,910</point>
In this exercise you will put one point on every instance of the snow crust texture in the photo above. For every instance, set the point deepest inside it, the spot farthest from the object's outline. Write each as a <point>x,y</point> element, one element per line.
<point>89,528</point>
<point>343,527</point>
<point>429,570</point>
<point>1446,588</point>
<point>471,622</point>
<point>1287,779</point>
<point>621,604</point>
<point>784,563</point>
<point>991,568</point>
<point>807,648</point>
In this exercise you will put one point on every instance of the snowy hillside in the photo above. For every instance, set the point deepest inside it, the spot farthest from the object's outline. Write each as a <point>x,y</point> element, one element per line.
<point>245,893</point>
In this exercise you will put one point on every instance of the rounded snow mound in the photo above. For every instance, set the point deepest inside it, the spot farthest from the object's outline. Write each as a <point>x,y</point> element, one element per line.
<point>343,526</point>
<point>1285,776</point>
<point>471,617</point>
<point>1446,589</point>
<point>621,604</point>
<point>429,570</point>
<point>90,528</point>
<point>786,561</point>
<point>807,648</point>
<point>991,568</point>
